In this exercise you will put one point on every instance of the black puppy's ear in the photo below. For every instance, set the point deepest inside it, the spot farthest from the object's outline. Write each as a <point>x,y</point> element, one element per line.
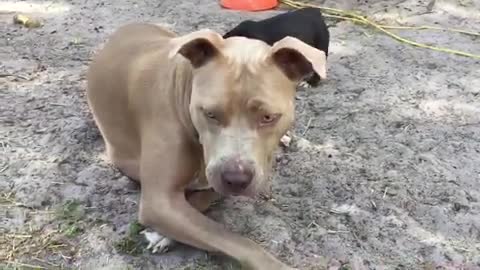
<point>198,47</point>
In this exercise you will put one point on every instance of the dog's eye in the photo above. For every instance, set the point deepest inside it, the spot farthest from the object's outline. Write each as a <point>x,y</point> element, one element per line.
<point>210,115</point>
<point>268,119</point>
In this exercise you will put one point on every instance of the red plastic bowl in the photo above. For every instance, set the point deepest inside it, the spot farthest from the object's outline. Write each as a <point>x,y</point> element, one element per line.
<point>249,5</point>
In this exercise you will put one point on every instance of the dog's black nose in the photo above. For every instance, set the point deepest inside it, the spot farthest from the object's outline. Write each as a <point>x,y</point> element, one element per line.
<point>237,177</point>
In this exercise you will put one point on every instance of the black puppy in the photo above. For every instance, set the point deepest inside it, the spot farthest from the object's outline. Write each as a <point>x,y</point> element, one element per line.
<point>305,24</point>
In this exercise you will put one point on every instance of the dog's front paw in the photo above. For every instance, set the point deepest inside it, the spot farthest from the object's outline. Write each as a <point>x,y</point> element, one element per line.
<point>157,243</point>
<point>286,140</point>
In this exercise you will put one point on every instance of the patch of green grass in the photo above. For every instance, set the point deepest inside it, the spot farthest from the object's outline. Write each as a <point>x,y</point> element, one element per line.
<point>72,230</point>
<point>345,267</point>
<point>197,266</point>
<point>71,211</point>
<point>6,267</point>
<point>214,262</point>
<point>131,244</point>
<point>134,229</point>
<point>40,243</point>
<point>71,214</point>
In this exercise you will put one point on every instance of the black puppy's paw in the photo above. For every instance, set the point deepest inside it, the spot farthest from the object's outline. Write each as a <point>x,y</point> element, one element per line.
<point>314,80</point>
<point>305,85</point>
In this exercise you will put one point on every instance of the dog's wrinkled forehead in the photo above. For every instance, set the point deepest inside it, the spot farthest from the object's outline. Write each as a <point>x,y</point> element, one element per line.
<point>244,64</point>
<point>245,51</point>
<point>247,61</point>
<point>244,72</point>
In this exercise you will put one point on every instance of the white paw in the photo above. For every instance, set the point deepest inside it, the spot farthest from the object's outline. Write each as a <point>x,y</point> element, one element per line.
<point>286,140</point>
<point>157,242</point>
<point>304,85</point>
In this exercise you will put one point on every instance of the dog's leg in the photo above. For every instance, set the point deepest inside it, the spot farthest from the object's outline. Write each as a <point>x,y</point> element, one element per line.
<point>200,200</point>
<point>164,208</point>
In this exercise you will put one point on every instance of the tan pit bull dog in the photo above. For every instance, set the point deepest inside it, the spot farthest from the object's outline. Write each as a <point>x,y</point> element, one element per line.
<point>194,117</point>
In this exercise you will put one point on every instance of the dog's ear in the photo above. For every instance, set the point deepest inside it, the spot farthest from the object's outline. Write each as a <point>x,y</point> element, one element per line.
<point>297,59</point>
<point>198,47</point>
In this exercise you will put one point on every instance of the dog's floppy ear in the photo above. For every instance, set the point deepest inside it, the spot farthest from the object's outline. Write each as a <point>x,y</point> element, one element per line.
<point>198,47</point>
<point>297,59</point>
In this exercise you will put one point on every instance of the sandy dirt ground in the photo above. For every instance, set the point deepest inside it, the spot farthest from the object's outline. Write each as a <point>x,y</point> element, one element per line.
<point>383,171</point>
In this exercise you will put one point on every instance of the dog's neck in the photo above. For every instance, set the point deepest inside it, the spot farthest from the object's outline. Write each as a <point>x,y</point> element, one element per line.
<point>182,75</point>
<point>181,91</point>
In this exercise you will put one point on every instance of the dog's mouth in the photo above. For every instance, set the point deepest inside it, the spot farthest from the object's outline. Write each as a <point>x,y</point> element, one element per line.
<point>250,191</point>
